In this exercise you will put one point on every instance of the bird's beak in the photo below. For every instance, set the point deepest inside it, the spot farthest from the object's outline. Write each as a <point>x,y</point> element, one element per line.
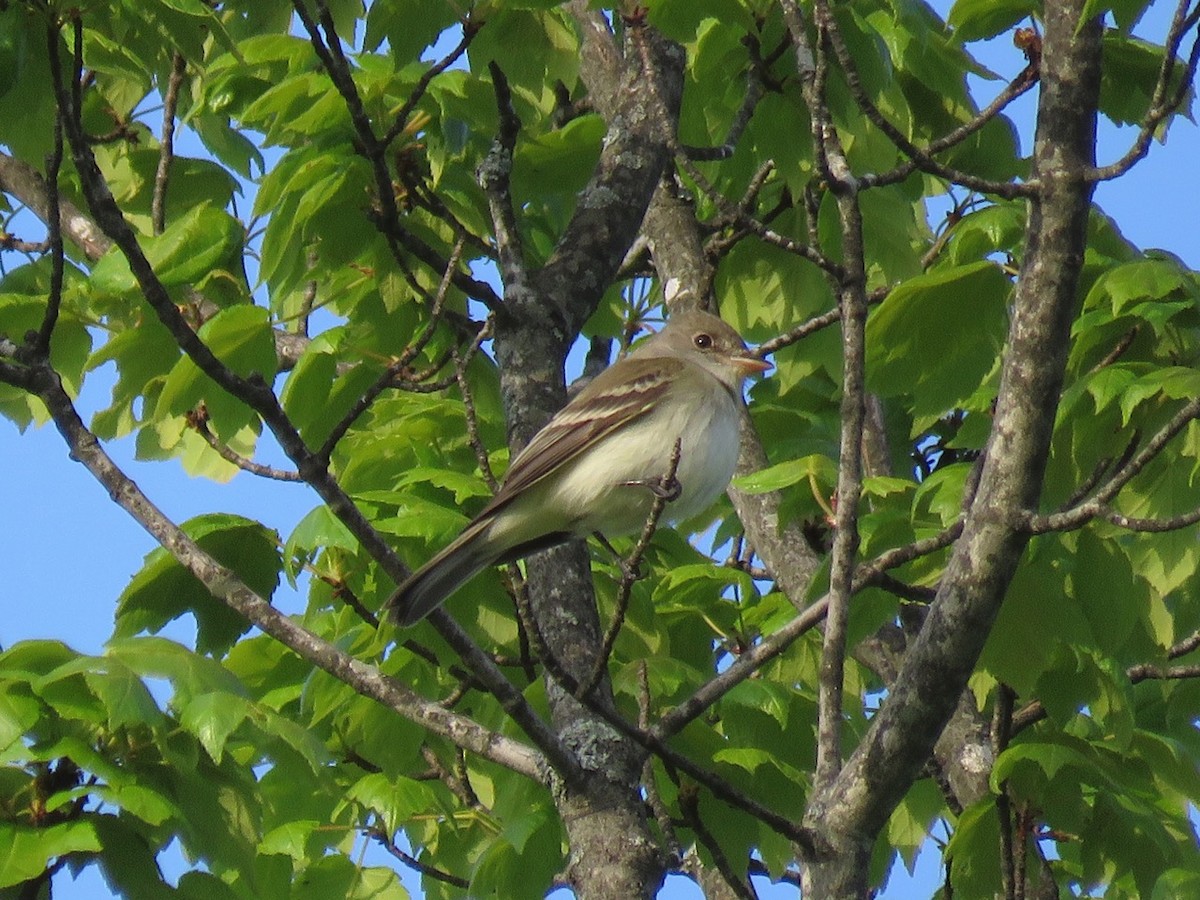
<point>750,365</point>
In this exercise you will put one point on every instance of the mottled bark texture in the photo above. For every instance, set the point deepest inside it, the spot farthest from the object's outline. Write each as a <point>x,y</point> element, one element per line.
<point>613,853</point>
<point>927,690</point>
<point>677,255</point>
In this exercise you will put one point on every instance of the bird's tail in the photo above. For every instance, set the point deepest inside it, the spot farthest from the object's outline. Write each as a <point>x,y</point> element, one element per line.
<point>428,587</point>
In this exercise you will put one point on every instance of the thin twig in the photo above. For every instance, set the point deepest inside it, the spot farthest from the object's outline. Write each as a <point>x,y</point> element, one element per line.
<point>1000,734</point>
<point>1161,106</point>
<point>54,238</point>
<point>664,491</point>
<point>469,30</point>
<point>670,840</point>
<point>10,241</point>
<point>390,374</point>
<point>494,177</point>
<point>689,806</point>
<point>382,838</point>
<point>166,150</point>
<point>799,333</point>
<point>472,415</point>
<point>1185,646</point>
<point>1145,671</point>
<point>197,420</point>
<point>754,92</point>
<point>342,591</point>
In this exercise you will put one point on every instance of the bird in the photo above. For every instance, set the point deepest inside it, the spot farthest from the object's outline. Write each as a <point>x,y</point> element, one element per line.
<point>597,464</point>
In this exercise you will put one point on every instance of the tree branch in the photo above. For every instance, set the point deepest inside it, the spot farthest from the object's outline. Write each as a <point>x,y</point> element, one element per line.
<point>224,584</point>
<point>664,493</point>
<point>1161,105</point>
<point>197,419</point>
<point>41,344</point>
<point>25,183</point>
<point>257,394</point>
<point>898,742</point>
<point>166,150</point>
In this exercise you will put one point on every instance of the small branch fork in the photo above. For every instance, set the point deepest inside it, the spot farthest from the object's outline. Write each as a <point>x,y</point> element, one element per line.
<point>1098,507</point>
<point>1034,712</point>
<point>197,419</point>
<point>328,47</point>
<point>158,202</point>
<point>647,739</point>
<point>922,159</point>
<point>1164,102</point>
<point>385,840</point>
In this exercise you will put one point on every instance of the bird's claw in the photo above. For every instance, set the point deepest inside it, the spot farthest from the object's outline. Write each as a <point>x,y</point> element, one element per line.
<point>667,489</point>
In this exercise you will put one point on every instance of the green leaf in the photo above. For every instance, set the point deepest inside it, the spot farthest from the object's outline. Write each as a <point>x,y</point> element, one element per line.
<point>1129,76</point>
<point>815,468</point>
<point>408,26</point>
<point>212,718</point>
<point>941,363</point>
<point>1140,280</point>
<point>320,529</point>
<point>561,160</point>
<point>290,839</point>
<point>164,590</point>
<point>909,825</point>
<point>996,228</point>
<point>761,696</point>
<point>145,802</point>
<point>974,862</point>
<point>1049,757</point>
<point>975,20</point>
<point>189,248</point>
<point>189,673</point>
<point>523,860</point>
<point>242,339</point>
<point>337,876</point>
<point>1035,619</point>
<point>1079,680</point>
<point>1108,591</point>
<point>393,800</point>
<point>25,852</point>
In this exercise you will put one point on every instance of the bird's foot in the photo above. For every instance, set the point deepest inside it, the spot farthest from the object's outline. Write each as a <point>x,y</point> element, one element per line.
<point>667,489</point>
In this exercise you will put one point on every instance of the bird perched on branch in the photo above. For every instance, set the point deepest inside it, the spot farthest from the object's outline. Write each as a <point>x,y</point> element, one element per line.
<point>598,463</point>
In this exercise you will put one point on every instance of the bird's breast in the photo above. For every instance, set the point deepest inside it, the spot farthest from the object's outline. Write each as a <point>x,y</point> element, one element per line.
<point>597,484</point>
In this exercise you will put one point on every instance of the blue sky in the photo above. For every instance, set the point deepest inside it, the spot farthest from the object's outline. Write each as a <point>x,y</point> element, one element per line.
<point>67,552</point>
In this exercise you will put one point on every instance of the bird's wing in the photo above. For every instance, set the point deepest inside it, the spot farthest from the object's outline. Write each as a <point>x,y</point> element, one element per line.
<point>618,395</point>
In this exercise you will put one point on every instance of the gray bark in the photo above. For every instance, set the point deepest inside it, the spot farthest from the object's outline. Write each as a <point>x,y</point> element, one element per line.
<point>613,854</point>
<point>935,671</point>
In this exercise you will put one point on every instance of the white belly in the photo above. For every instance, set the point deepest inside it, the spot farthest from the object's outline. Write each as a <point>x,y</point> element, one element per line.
<point>641,451</point>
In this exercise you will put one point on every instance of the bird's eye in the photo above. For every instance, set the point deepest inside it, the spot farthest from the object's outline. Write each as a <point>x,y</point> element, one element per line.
<point>703,341</point>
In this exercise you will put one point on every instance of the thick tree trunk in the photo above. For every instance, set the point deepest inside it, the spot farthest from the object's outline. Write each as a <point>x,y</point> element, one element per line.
<point>613,853</point>
<point>855,808</point>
